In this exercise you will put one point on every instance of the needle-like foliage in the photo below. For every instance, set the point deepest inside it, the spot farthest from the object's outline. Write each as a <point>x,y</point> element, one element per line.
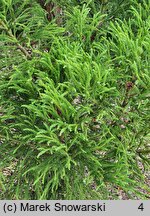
<point>74,99</point>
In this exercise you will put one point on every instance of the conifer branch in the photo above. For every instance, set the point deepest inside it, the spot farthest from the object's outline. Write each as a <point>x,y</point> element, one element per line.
<point>19,46</point>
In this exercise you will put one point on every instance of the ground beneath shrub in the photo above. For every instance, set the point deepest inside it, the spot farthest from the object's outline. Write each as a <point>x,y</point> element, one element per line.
<point>115,193</point>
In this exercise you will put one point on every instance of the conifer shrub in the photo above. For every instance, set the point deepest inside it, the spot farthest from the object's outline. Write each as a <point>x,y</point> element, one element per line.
<point>74,100</point>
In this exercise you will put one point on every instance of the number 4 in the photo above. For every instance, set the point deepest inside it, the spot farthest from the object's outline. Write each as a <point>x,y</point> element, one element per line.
<point>141,207</point>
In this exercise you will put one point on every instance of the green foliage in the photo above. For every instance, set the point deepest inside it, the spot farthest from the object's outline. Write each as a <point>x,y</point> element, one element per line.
<point>74,100</point>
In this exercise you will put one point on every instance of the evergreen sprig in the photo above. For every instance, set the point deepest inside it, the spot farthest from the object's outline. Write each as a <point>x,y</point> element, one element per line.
<point>74,100</point>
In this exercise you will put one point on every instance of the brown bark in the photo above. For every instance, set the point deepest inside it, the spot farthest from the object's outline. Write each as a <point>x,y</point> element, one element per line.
<point>53,11</point>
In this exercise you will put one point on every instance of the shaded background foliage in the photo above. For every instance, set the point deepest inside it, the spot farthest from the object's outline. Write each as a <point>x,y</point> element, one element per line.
<point>74,99</point>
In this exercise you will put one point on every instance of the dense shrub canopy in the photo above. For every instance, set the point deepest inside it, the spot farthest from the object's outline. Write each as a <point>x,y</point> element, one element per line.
<point>74,99</point>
